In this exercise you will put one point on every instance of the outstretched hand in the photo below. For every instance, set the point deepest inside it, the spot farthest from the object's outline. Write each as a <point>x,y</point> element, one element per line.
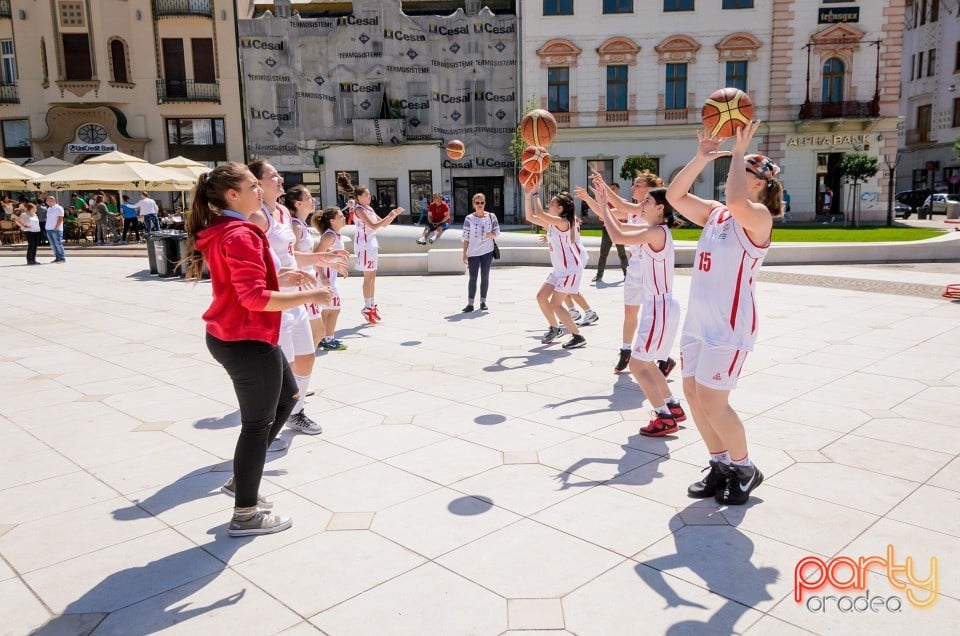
<point>744,136</point>
<point>709,147</point>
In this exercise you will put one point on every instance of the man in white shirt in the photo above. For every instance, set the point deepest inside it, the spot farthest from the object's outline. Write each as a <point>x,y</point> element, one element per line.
<point>148,209</point>
<point>54,228</point>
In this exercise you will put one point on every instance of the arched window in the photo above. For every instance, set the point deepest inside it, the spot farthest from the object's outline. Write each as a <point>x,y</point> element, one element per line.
<point>118,61</point>
<point>833,71</point>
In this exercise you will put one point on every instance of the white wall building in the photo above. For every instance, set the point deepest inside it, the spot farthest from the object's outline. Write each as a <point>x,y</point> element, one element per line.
<point>930,100</point>
<point>627,78</point>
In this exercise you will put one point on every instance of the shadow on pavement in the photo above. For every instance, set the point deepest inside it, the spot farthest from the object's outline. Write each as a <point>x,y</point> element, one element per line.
<point>628,472</point>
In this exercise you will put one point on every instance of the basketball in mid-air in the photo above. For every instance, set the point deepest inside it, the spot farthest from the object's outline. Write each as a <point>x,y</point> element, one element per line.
<point>455,149</point>
<point>726,111</point>
<point>528,179</point>
<point>538,127</point>
<point>535,159</point>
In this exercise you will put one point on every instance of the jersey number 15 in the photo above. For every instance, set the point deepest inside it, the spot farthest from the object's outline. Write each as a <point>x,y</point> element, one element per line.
<point>704,262</point>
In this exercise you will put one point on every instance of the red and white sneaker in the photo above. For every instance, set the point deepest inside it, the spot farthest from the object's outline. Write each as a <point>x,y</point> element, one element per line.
<point>660,425</point>
<point>677,412</point>
<point>376,313</point>
<point>369,314</point>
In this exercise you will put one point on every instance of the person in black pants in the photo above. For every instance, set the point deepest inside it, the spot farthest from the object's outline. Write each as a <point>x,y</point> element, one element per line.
<point>29,224</point>
<point>131,221</point>
<point>480,229</point>
<point>605,244</point>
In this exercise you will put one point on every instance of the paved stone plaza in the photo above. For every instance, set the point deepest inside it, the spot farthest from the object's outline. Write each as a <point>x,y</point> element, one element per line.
<point>470,480</point>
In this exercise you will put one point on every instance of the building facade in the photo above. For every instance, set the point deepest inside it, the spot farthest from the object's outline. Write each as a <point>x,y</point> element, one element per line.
<point>377,93</point>
<point>151,78</point>
<point>930,101</point>
<point>627,78</point>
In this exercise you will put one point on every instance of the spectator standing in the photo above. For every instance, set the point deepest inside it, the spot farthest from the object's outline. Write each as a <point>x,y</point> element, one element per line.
<point>54,228</point>
<point>7,206</point>
<point>104,220</point>
<point>130,220</point>
<point>148,210</point>
<point>424,208</point>
<point>480,229</point>
<point>30,225</point>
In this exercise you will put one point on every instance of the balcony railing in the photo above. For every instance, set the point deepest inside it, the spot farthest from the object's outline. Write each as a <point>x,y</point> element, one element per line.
<point>675,115</point>
<point>182,8</point>
<point>9,94</point>
<point>616,117</point>
<point>836,110</point>
<point>563,119</point>
<point>918,136</point>
<point>5,10</point>
<point>169,91</point>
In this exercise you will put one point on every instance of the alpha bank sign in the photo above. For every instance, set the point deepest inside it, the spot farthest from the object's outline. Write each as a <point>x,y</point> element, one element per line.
<point>91,149</point>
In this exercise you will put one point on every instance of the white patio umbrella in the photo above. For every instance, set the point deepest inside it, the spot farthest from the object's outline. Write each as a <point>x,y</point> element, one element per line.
<point>188,167</point>
<point>115,171</point>
<point>14,177</point>
<point>48,165</point>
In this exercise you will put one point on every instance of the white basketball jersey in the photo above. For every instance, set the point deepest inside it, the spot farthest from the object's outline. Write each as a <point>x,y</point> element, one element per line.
<point>305,244</point>
<point>566,254</point>
<point>281,238</point>
<point>722,309</point>
<point>329,272</point>
<point>633,251</point>
<point>365,239</point>
<point>656,268</point>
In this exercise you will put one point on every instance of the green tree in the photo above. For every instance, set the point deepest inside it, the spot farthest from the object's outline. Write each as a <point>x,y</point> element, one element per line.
<point>633,166</point>
<point>856,168</point>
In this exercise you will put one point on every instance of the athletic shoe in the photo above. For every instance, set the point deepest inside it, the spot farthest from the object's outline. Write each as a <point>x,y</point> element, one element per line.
<point>369,315</point>
<point>552,334</point>
<point>467,309</point>
<point>666,366</point>
<point>421,241</point>
<point>677,412</point>
<point>430,241</point>
<point>258,522</point>
<point>597,279</point>
<point>660,425</point>
<point>575,342</point>
<point>575,315</point>
<point>623,361</point>
<point>277,445</point>
<point>740,483</point>
<point>483,306</point>
<point>300,422</point>
<point>589,318</point>
<point>712,484</point>
<point>230,489</point>
<point>332,345</point>
<point>376,313</point>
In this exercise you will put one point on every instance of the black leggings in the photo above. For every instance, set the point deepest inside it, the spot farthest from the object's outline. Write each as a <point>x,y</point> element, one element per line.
<point>605,244</point>
<point>479,264</point>
<point>131,224</point>
<point>33,239</point>
<point>265,389</point>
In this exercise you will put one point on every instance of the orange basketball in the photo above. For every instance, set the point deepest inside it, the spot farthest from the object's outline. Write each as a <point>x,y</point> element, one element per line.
<point>535,159</point>
<point>455,149</point>
<point>528,179</point>
<point>538,127</point>
<point>726,111</point>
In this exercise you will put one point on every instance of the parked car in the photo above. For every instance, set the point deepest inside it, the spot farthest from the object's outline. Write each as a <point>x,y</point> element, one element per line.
<point>913,199</point>
<point>939,203</point>
<point>901,211</point>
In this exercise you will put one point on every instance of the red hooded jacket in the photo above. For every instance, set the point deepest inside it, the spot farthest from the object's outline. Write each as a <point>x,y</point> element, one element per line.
<point>243,274</point>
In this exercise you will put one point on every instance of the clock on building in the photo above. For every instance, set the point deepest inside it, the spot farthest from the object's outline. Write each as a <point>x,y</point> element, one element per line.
<point>92,133</point>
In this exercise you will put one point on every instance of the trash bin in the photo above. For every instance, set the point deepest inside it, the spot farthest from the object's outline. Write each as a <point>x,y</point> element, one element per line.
<point>151,253</point>
<point>171,241</point>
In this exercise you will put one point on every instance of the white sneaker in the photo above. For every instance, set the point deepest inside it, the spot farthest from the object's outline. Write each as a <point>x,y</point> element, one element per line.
<point>575,315</point>
<point>230,490</point>
<point>258,522</point>
<point>300,422</point>
<point>589,318</point>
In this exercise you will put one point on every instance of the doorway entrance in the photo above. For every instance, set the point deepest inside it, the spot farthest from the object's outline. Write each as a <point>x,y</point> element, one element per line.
<point>829,181</point>
<point>385,190</point>
<point>465,187</point>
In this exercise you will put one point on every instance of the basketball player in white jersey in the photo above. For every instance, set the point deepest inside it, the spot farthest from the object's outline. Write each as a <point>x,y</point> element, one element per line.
<point>365,244</point>
<point>660,316</point>
<point>567,257</point>
<point>301,205</point>
<point>721,324</point>
<point>330,222</point>
<point>624,210</point>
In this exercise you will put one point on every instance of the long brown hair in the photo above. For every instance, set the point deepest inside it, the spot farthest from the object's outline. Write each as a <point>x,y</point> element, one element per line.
<point>209,199</point>
<point>348,188</point>
<point>660,196</point>
<point>322,220</point>
<point>296,193</point>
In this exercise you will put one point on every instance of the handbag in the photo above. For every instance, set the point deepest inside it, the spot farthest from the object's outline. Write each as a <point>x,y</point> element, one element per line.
<point>496,248</point>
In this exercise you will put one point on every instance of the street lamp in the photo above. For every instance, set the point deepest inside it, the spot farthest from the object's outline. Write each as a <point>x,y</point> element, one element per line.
<point>891,173</point>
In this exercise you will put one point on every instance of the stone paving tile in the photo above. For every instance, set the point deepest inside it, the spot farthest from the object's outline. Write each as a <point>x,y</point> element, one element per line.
<point>462,428</point>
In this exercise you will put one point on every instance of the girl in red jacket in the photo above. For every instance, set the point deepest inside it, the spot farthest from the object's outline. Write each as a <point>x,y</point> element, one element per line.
<point>243,327</point>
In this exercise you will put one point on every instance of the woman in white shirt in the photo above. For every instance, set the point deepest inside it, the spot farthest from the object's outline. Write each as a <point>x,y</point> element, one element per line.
<point>29,223</point>
<point>480,229</point>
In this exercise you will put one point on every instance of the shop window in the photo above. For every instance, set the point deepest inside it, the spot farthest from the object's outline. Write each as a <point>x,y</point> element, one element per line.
<point>16,138</point>
<point>556,179</point>
<point>617,88</point>
<point>737,74</point>
<point>421,189</point>
<point>675,97</point>
<point>558,89</point>
<point>557,7</point>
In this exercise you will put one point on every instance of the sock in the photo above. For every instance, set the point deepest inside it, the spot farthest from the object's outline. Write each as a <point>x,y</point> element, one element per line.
<point>723,457</point>
<point>624,345</point>
<point>303,383</point>
<point>673,400</point>
<point>742,463</point>
<point>367,303</point>
<point>663,410</point>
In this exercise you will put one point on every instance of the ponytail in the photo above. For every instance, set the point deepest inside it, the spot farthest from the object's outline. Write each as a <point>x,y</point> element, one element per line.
<point>669,217</point>
<point>208,200</point>
<point>322,221</point>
